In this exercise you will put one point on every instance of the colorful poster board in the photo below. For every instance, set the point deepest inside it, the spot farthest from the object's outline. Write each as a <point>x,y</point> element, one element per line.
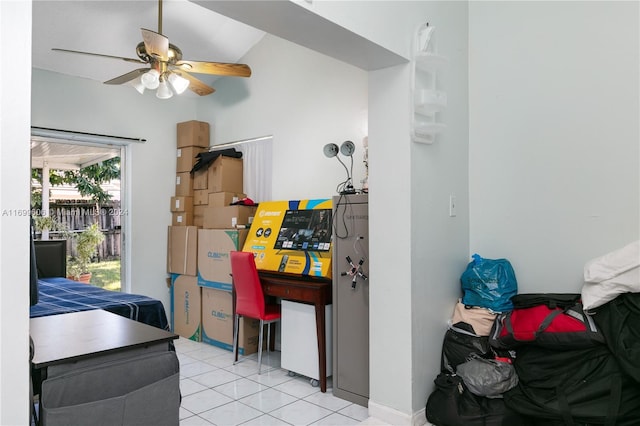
<point>292,236</point>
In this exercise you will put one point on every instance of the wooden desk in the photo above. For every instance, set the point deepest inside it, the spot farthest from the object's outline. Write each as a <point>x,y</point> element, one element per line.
<point>313,290</point>
<point>69,337</point>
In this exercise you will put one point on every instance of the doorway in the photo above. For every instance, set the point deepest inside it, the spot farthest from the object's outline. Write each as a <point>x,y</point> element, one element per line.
<point>76,184</point>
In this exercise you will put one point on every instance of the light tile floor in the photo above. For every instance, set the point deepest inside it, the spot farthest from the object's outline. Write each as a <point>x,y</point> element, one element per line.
<point>216,392</point>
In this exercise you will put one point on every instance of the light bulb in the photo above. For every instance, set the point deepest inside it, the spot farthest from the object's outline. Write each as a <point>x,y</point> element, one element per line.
<point>137,84</point>
<point>164,91</point>
<point>178,83</point>
<point>151,79</point>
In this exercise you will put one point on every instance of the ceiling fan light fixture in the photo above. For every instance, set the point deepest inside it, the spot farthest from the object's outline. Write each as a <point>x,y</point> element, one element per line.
<point>151,79</point>
<point>178,83</point>
<point>167,72</point>
<point>137,84</point>
<point>164,91</point>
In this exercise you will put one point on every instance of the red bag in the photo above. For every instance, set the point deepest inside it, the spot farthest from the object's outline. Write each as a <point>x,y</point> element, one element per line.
<point>547,325</point>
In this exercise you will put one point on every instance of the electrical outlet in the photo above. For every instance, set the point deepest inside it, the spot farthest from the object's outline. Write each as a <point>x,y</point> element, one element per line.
<point>453,206</point>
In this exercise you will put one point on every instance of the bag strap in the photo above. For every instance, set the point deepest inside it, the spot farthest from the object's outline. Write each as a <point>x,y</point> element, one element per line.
<point>563,404</point>
<point>548,319</point>
<point>614,401</point>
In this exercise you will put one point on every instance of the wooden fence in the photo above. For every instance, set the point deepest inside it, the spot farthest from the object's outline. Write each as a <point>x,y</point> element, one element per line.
<point>76,216</point>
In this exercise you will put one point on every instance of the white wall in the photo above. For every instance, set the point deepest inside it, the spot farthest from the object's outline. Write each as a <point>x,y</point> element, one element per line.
<point>305,100</point>
<point>75,104</point>
<point>440,243</point>
<point>418,250</point>
<point>554,128</point>
<point>15,39</point>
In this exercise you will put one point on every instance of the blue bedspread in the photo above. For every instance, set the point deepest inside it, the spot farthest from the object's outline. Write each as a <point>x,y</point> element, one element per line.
<point>61,295</point>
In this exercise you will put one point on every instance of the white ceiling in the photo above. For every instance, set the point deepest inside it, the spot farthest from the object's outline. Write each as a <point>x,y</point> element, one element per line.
<point>113,28</point>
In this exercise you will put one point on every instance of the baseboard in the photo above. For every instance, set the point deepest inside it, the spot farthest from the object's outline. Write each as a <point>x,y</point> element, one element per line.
<point>419,418</point>
<point>395,417</point>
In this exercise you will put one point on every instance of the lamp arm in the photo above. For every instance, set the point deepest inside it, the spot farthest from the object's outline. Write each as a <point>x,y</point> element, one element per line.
<point>345,167</point>
<point>351,173</point>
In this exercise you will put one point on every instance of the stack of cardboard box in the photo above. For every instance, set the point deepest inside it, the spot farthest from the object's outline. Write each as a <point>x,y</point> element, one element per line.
<point>186,301</point>
<point>205,228</point>
<point>193,139</point>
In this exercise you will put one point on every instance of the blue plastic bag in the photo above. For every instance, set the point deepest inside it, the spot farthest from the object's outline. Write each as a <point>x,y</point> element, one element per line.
<point>489,283</point>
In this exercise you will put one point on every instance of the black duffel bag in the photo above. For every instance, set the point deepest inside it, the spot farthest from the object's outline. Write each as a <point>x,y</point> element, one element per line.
<point>579,386</point>
<point>619,321</point>
<point>451,404</point>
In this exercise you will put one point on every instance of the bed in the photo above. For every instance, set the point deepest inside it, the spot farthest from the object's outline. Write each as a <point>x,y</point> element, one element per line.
<point>61,295</point>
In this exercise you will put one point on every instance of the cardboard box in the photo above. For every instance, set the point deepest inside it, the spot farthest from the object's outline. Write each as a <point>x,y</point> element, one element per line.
<point>181,204</point>
<point>201,179</point>
<point>186,307</point>
<point>193,133</point>
<point>182,250</point>
<point>223,199</point>
<point>214,266</point>
<point>184,184</point>
<point>217,323</point>
<point>200,197</point>
<point>228,217</point>
<point>225,174</point>
<point>186,158</point>
<point>182,218</point>
<point>198,215</point>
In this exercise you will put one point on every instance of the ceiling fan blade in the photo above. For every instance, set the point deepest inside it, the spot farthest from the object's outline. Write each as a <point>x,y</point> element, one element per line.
<point>125,78</point>
<point>216,68</point>
<point>137,61</point>
<point>155,44</point>
<point>196,85</point>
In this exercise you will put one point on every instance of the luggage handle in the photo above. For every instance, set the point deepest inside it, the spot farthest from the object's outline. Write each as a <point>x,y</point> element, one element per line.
<point>548,320</point>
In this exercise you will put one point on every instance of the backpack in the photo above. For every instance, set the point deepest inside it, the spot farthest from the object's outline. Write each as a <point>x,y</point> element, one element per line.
<point>574,386</point>
<point>548,320</point>
<point>460,344</point>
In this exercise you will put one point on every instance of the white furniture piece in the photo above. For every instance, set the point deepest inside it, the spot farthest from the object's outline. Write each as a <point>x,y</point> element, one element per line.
<point>429,100</point>
<point>299,341</point>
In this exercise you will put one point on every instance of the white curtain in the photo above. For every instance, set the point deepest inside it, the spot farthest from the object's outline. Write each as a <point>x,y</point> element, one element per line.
<point>257,166</point>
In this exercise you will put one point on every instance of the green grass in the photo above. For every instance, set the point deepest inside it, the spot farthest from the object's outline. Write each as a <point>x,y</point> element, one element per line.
<point>106,274</point>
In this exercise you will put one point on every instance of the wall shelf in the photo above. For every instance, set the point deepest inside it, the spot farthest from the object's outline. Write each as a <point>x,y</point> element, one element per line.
<point>428,99</point>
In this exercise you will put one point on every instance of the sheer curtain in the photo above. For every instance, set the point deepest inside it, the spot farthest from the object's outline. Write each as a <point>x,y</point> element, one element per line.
<point>257,166</point>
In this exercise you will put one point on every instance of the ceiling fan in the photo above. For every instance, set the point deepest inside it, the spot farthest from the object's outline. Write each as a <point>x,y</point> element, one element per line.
<point>167,71</point>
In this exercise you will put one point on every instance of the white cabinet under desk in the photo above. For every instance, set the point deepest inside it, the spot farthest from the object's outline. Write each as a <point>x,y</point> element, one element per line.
<point>299,341</point>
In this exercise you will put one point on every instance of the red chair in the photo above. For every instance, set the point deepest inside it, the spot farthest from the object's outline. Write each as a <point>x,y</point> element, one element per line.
<point>250,300</point>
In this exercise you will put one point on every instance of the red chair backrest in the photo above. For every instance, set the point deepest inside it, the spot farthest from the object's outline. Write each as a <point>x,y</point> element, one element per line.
<point>249,295</point>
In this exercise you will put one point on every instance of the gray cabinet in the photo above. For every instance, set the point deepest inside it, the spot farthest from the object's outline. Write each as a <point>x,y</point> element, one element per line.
<point>351,298</point>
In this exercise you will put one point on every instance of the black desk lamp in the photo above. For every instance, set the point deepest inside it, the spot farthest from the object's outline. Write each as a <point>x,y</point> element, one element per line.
<point>347,149</point>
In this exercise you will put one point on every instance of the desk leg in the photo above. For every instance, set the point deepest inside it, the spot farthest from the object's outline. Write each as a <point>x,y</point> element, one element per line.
<point>322,345</point>
<point>272,341</point>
